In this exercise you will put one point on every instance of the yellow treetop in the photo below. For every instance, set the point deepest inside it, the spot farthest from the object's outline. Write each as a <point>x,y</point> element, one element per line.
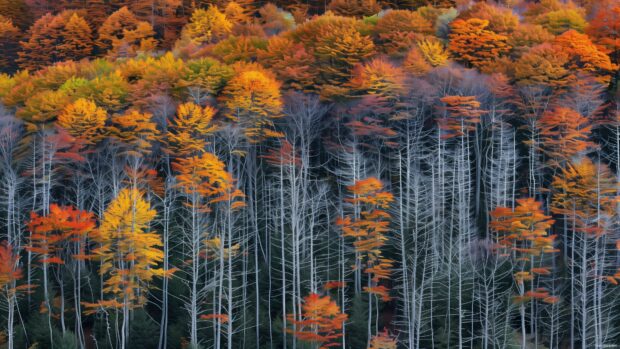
<point>187,132</point>
<point>253,99</point>
<point>207,26</point>
<point>84,120</point>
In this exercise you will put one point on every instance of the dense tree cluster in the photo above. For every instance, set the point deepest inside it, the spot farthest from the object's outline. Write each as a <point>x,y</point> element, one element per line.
<point>309,174</point>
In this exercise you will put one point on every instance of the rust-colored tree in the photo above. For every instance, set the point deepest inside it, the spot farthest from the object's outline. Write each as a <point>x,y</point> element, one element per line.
<point>522,235</point>
<point>9,44</point>
<point>369,231</point>
<point>10,273</point>
<point>123,35</point>
<point>472,43</point>
<point>66,36</point>
<point>321,321</point>
<point>604,28</point>
<point>461,115</point>
<point>55,238</point>
<point>564,134</point>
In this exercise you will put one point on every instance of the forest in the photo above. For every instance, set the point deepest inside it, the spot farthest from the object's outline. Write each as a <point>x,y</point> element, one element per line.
<point>304,174</point>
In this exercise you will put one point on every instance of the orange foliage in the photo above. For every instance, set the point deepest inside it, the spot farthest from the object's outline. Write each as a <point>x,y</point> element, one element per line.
<point>123,35</point>
<point>462,114</point>
<point>52,233</point>
<point>9,37</point>
<point>356,8</point>
<point>135,132</point>
<point>321,321</point>
<point>9,269</point>
<point>330,285</point>
<point>206,177</point>
<point>379,77</point>
<point>398,30</point>
<point>290,61</point>
<point>544,65</point>
<point>472,43</point>
<point>522,234</point>
<point>383,340</point>
<point>501,19</point>
<point>584,55</point>
<point>583,191</point>
<point>65,36</point>
<point>369,231</point>
<point>605,30</point>
<point>223,318</point>
<point>564,133</point>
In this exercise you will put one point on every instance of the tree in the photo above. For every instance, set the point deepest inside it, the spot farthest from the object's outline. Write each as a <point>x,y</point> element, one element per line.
<point>84,120</point>
<point>339,48</point>
<point>502,20</point>
<point>433,51</point>
<point>134,132</point>
<point>462,114</point>
<point>604,29</point>
<point>383,340</point>
<point>522,235</point>
<point>123,35</point>
<point>9,44</point>
<point>584,55</point>
<point>585,194</point>
<point>206,27</point>
<point>564,134</point>
<point>472,43</point>
<point>187,132</point>
<point>77,40</point>
<point>543,65</point>
<point>369,232</point>
<point>205,182</point>
<point>55,237</point>
<point>398,30</point>
<point>321,321</point>
<point>17,11</point>
<point>252,98</point>
<point>379,78</point>
<point>10,273</point>
<point>557,22</point>
<point>65,36</point>
<point>290,61</point>
<point>129,253</point>
<point>356,8</point>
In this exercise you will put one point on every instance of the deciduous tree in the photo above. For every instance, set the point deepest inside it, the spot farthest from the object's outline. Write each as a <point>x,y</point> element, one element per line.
<point>321,322</point>
<point>123,35</point>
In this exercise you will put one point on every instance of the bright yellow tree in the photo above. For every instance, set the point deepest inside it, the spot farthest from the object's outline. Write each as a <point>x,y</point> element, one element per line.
<point>129,251</point>
<point>187,131</point>
<point>252,98</point>
<point>83,120</point>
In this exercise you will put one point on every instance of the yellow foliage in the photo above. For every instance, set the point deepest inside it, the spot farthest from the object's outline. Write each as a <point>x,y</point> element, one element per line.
<point>129,252</point>
<point>84,120</point>
<point>207,26</point>
<point>433,51</point>
<point>253,99</point>
<point>187,131</point>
